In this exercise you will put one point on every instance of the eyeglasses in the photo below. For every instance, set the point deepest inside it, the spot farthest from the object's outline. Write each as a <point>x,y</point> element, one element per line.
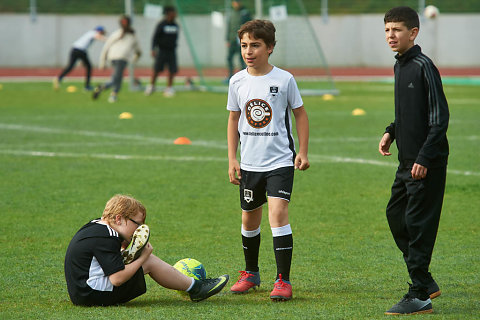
<point>138,224</point>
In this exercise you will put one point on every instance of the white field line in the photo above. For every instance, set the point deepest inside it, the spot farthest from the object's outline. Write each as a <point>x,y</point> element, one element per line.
<point>210,144</point>
<point>313,158</point>
<point>213,144</point>
<point>6,126</point>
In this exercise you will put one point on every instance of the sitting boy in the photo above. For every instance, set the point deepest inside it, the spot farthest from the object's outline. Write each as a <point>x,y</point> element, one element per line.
<point>95,270</point>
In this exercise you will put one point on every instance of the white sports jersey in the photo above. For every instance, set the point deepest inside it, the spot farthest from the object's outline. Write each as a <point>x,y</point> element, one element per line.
<point>85,41</point>
<point>265,126</point>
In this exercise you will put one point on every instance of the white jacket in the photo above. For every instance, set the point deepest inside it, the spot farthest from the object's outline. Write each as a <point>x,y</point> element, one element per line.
<point>120,48</point>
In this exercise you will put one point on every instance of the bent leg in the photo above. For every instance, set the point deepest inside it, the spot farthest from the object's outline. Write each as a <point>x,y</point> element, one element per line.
<point>166,275</point>
<point>71,63</point>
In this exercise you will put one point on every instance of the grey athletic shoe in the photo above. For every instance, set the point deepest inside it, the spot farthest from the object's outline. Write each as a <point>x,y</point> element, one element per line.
<point>203,289</point>
<point>433,290</point>
<point>410,305</point>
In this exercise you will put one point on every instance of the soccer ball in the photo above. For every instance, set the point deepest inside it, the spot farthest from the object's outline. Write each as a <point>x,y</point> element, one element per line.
<point>431,12</point>
<point>192,268</point>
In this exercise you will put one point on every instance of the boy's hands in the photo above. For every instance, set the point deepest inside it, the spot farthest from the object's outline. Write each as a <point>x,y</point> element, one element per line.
<point>301,162</point>
<point>146,251</point>
<point>234,172</point>
<point>418,171</point>
<point>384,145</point>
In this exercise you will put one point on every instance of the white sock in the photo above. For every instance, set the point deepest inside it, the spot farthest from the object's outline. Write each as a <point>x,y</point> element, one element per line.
<point>282,231</point>
<point>250,234</point>
<point>191,285</point>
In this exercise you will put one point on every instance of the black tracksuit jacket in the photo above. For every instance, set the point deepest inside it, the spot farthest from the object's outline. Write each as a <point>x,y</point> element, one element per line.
<point>421,112</point>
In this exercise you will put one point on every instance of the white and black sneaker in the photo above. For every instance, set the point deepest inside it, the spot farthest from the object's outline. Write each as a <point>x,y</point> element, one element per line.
<point>139,240</point>
<point>410,305</point>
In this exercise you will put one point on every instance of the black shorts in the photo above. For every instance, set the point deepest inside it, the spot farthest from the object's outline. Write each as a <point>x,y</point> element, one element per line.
<point>166,57</point>
<point>255,186</point>
<point>131,289</point>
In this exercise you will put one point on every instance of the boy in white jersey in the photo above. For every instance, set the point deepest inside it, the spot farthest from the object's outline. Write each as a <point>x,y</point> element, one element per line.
<point>261,99</point>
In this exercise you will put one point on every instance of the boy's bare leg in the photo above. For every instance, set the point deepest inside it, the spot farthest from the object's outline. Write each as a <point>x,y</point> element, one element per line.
<point>251,219</point>
<point>277,212</point>
<point>166,275</point>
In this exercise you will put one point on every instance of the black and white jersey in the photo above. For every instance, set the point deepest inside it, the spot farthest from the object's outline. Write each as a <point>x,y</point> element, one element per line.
<point>265,125</point>
<point>92,255</point>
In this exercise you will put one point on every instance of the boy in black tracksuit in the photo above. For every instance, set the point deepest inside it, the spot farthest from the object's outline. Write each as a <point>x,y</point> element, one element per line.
<point>164,45</point>
<point>420,127</point>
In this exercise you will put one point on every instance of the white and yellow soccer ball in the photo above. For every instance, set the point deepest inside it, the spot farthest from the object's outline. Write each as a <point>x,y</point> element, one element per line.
<point>192,268</point>
<point>431,12</point>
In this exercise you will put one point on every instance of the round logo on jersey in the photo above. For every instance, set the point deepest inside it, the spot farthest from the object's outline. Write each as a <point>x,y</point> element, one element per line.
<point>258,113</point>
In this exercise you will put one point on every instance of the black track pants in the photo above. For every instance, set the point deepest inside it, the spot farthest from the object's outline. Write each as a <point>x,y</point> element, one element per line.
<point>413,214</point>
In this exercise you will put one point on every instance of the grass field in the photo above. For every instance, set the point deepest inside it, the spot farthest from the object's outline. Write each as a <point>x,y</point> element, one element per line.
<point>63,156</point>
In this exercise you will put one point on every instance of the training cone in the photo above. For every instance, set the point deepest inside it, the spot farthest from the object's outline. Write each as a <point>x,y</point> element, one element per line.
<point>71,89</point>
<point>125,115</point>
<point>182,140</point>
<point>1,86</point>
<point>358,112</point>
<point>328,97</point>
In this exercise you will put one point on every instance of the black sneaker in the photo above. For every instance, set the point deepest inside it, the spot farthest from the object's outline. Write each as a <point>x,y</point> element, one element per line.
<point>410,305</point>
<point>433,290</point>
<point>203,289</point>
<point>96,92</point>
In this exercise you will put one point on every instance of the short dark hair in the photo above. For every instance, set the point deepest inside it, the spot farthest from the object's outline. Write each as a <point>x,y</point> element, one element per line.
<point>403,14</point>
<point>168,9</point>
<point>259,29</point>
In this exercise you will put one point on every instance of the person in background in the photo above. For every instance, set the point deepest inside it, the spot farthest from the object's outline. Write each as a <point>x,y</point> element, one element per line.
<point>238,16</point>
<point>164,44</point>
<point>118,50</point>
<point>79,52</point>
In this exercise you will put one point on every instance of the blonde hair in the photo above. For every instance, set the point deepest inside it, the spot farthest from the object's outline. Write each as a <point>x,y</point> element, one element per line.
<point>123,205</point>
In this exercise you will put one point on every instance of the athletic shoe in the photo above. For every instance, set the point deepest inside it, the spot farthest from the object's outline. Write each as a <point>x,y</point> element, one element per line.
<point>149,90</point>
<point>203,289</point>
<point>96,92</point>
<point>169,92</point>
<point>433,290</point>
<point>139,240</point>
<point>410,305</point>
<point>112,98</point>
<point>88,88</point>
<point>247,281</point>
<point>56,83</point>
<point>282,290</point>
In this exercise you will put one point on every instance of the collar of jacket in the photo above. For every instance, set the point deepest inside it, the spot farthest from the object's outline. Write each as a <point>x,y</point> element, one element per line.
<point>411,53</point>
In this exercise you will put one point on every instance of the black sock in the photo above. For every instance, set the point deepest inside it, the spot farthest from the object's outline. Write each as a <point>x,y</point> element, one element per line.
<point>251,247</point>
<point>283,247</point>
